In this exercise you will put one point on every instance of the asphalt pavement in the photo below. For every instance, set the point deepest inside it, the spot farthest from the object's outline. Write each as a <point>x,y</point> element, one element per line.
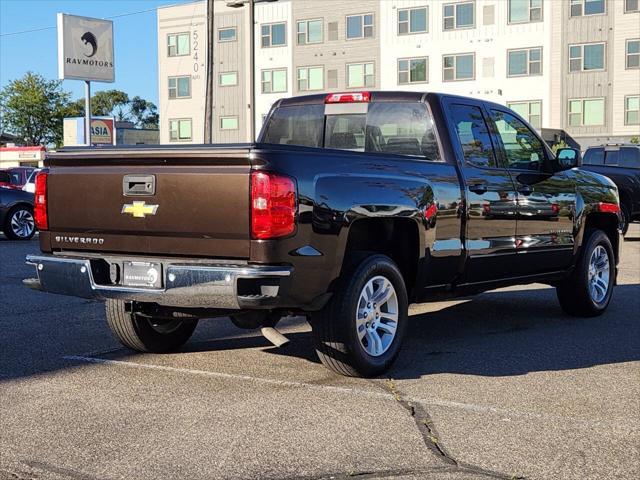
<point>501,385</point>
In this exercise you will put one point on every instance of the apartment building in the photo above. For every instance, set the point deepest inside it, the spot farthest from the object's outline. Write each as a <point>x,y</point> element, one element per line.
<point>571,65</point>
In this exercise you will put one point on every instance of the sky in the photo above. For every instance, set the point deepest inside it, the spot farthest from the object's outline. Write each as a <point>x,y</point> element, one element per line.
<point>135,39</point>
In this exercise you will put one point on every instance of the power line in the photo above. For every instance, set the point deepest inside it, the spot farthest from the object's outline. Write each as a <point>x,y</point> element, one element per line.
<point>106,18</point>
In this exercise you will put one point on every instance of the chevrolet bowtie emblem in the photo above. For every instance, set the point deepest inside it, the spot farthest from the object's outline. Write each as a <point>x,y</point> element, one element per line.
<point>139,209</point>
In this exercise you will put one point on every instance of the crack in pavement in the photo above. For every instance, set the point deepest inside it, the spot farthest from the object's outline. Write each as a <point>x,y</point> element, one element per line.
<point>429,434</point>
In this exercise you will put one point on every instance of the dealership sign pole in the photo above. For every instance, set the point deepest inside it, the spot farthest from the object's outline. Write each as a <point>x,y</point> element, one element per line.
<point>85,52</point>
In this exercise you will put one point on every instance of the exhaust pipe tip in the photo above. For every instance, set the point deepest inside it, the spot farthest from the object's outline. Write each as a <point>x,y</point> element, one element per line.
<point>274,336</point>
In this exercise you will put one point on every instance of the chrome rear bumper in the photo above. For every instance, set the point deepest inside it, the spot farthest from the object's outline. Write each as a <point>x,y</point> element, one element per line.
<point>185,285</point>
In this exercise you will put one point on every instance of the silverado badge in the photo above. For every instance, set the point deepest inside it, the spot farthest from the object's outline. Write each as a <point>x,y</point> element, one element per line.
<point>139,209</point>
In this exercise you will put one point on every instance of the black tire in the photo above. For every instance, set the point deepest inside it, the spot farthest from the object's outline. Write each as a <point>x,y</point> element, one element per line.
<point>21,214</point>
<point>574,292</point>
<point>144,334</point>
<point>626,218</point>
<point>334,328</point>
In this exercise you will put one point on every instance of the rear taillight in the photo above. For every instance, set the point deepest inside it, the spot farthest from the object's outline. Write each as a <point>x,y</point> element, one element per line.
<point>608,207</point>
<point>40,202</point>
<point>355,97</point>
<point>273,205</point>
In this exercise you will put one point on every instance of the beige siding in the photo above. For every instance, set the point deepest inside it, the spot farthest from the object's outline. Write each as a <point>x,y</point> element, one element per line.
<point>336,54</point>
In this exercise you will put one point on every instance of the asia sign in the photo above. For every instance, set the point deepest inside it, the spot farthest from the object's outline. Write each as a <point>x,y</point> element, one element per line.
<point>85,48</point>
<point>102,131</point>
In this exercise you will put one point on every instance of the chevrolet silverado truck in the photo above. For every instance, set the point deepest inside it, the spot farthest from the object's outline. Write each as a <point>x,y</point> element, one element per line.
<point>349,207</point>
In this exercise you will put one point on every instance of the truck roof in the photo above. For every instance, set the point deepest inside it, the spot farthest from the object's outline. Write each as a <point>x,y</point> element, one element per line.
<point>376,96</point>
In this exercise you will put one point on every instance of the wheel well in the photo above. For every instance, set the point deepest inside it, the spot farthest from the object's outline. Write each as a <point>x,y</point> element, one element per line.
<point>395,237</point>
<point>14,207</point>
<point>608,223</point>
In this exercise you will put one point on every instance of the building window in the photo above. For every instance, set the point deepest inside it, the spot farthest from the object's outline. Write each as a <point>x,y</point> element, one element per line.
<point>360,75</point>
<point>229,123</point>
<point>459,15</point>
<point>413,20</point>
<point>633,54</point>
<point>586,112</point>
<point>177,44</point>
<point>579,8</point>
<point>458,67</point>
<point>309,31</point>
<point>632,110</point>
<point>274,35</point>
<point>525,11</point>
<point>631,6</point>
<point>413,70</point>
<point>530,111</point>
<point>179,87</point>
<point>180,130</point>
<point>310,78</point>
<point>227,34</point>
<point>360,26</point>
<point>228,79</point>
<point>524,62</point>
<point>274,81</point>
<point>583,58</point>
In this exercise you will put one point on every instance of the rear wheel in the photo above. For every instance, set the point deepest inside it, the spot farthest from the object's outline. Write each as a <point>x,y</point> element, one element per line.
<point>146,334</point>
<point>360,331</point>
<point>587,292</point>
<point>20,224</point>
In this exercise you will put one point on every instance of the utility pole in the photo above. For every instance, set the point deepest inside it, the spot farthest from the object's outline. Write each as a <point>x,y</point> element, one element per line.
<point>208,106</point>
<point>252,68</point>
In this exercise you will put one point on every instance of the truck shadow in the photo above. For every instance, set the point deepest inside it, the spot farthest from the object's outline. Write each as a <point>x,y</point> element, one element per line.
<point>506,333</point>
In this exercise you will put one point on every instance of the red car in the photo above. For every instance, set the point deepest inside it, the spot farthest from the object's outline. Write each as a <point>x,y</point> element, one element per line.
<point>15,177</point>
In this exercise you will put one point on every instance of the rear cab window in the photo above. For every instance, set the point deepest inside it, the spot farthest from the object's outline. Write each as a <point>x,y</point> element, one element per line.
<point>594,156</point>
<point>630,157</point>
<point>399,128</point>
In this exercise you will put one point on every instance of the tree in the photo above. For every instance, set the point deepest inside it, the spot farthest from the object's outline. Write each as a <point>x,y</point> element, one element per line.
<point>33,107</point>
<point>116,103</point>
<point>635,140</point>
<point>144,113</point>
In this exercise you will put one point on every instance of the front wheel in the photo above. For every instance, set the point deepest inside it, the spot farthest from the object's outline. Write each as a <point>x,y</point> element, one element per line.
<point>146,334</point>
<point>360,331</point>
<point>587,292</point>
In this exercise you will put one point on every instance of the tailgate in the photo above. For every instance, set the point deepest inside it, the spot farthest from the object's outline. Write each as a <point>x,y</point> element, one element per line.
<point>197,203</point>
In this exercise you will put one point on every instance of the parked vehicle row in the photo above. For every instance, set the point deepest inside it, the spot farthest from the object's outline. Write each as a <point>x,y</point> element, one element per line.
<point>621,163</point>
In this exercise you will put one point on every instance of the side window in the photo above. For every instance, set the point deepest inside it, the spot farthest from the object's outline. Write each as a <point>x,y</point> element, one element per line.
<point>611,157</point>
<point>522,148</point>
<point>296,126</point>
<point>594,156</point>
<point>473,135</point>
<point>401,129</point>
<point>630,157</point>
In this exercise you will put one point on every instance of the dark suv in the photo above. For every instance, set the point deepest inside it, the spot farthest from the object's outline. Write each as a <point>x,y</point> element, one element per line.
<point>621,163</point>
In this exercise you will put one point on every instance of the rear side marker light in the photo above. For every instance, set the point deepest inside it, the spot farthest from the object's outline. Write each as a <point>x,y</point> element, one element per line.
<point>273,205</point>
<point>355,97</point>
<point>40,202</point>
<point>608,207</point>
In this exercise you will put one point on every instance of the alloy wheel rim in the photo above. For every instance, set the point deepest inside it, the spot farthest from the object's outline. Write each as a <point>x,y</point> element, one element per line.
<point>377,316</point>
<point>22,223</point>
<point>599,274</point>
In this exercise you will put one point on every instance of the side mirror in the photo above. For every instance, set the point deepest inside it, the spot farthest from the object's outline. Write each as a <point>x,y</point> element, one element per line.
<point>567,158</point>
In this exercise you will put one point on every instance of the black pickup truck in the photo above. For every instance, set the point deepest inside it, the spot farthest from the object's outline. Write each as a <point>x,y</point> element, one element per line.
<point>350,207</point>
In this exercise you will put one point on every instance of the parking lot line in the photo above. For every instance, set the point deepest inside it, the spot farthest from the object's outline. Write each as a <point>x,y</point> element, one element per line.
<point>505,413</point>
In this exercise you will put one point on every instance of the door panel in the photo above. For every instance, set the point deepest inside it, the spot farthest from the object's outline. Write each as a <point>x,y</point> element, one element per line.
<point>545,200</point>
<point>490,196</point>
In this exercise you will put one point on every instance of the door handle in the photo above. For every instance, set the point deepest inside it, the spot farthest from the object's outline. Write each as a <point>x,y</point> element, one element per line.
<point>479,188</point>
<point>525,190</point>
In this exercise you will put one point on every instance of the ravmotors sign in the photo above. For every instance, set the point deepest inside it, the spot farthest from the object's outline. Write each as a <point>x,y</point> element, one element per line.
<point>85,48</point>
